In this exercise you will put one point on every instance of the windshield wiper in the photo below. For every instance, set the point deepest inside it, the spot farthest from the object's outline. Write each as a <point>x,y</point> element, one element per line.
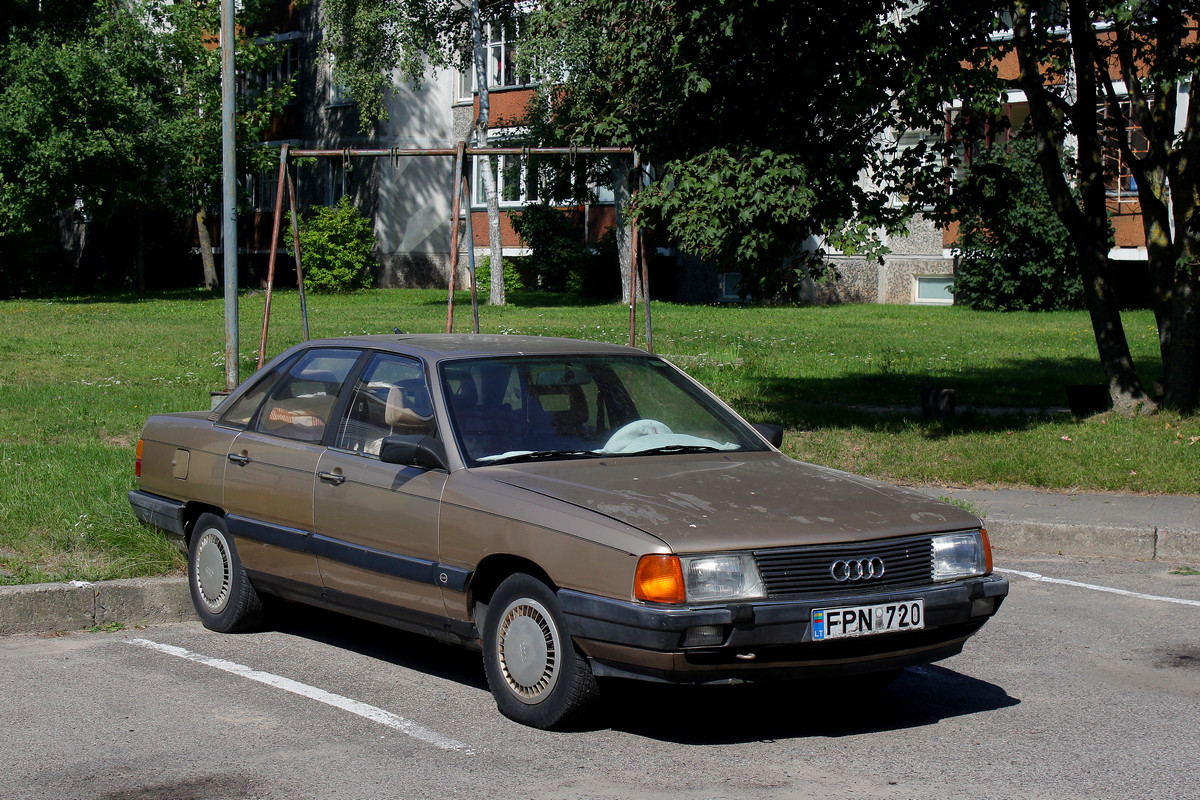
<point>676,448</point>
<point>538,455</point>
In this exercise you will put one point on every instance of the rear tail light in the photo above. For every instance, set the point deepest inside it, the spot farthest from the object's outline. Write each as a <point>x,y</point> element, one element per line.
<point>137,464</point>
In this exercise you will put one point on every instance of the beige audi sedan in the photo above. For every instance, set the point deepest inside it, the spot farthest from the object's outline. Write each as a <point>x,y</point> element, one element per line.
<point>577,510</point>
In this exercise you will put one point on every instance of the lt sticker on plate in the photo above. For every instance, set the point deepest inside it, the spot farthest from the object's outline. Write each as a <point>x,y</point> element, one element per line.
<point>841,623</point>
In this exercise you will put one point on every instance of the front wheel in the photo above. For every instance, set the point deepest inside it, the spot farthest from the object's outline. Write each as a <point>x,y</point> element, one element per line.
<point>224,599</point>
<point>533,669</point>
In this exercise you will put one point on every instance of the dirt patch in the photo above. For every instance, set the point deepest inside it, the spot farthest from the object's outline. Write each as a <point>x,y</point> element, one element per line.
<point>123,441</point>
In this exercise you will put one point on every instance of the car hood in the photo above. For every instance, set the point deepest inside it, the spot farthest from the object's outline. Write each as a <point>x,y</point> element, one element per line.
<point>702,502</point>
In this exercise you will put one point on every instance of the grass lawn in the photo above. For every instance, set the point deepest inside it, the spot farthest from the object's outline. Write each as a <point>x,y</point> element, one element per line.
<point>79,376</point>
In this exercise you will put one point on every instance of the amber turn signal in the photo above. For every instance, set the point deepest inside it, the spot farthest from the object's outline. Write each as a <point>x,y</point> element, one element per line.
<point>137,465</point>
<point>659,579</point>
<point>987,552</point>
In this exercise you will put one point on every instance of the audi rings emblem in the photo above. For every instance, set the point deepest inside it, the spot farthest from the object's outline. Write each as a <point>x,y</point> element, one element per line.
<point>864,569</point>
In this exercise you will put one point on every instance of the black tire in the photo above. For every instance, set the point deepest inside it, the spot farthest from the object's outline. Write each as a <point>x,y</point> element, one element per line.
<point>533,669</point>
<point>224,599</point>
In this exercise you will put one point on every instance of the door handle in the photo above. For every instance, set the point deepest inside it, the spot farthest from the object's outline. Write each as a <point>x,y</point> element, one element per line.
<point>332,477</point>
<point>240,460</point>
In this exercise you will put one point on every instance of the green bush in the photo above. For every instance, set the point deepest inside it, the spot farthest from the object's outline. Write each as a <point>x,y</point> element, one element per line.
<point>556,242</point>
<point>335,249</point>
<point>561,260</point>
<point>598,276</point>
<point>513,282</point>
<point>1014,252</point>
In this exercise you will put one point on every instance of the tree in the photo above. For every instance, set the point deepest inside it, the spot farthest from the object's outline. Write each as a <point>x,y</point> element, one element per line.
<point>1060,75</point>
<point>762,118</point>
<point>369,39</point>
<point>1153,48</point>
<point>1014,254</point>
<point>113,107</point>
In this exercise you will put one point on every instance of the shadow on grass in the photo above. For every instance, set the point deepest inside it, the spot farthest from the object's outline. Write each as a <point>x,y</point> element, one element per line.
<point>132,297</point>
<point>1002,398</point>
<point>693,715</point>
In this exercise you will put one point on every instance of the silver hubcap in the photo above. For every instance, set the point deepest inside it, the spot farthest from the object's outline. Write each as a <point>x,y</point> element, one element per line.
<point>529,650</point>
<point>212,570</point>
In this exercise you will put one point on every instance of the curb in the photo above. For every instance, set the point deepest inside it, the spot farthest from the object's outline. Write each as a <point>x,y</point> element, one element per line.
<point>78,605</point>
<point>1103,541</point>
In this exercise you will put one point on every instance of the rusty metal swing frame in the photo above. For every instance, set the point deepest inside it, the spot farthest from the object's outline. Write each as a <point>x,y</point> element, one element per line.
<point>638,274</point>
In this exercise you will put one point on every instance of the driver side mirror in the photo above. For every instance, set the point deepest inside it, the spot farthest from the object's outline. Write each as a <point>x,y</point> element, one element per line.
<point>413,451</point>
<point>771,432</point>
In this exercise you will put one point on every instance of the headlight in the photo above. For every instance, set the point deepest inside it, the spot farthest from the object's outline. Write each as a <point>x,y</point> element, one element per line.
<point>698,579</point>
<point>719,578</point>
<point>961,555</point>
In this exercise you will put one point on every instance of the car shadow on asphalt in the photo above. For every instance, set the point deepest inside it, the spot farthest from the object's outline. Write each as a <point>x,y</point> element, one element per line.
<point>381,642</point>
<point>700,715</point>
<point>703,715</point>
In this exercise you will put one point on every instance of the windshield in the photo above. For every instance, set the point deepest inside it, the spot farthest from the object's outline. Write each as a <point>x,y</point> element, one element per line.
<point>527,408</point>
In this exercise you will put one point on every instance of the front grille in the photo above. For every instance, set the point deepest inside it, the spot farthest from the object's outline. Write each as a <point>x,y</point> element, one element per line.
<point>790,571</point>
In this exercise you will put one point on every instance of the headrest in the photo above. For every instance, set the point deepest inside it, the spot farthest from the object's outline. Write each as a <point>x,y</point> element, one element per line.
<point>398,414</point>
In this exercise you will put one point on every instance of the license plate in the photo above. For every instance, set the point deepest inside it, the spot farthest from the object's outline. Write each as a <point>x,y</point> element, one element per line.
<point>842,623</point>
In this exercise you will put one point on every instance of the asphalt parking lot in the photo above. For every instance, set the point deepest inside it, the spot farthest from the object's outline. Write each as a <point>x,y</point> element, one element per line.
<point>1085,685</point>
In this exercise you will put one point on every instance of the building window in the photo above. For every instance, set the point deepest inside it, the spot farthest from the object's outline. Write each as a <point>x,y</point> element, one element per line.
<point>464,87</point>
<point>262,190</point>
<point>933,289</point>
<point>336,185</point>
<point>502,55</point>
<point>730,286</point>
<point>500,42</point>
<point>1118,176</point>
<point>286,70</point>
<point>339,93</point>
<point>516,184</point>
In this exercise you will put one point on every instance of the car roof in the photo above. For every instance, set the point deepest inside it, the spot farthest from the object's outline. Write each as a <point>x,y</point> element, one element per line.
<point>442,346</point>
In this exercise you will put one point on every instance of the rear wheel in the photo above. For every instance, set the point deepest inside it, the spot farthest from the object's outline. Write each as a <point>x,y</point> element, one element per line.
<point>533,669</point>
<point>224,599</point>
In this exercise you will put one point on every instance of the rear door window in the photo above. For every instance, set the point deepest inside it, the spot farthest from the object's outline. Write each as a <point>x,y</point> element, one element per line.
<point>301,405</point>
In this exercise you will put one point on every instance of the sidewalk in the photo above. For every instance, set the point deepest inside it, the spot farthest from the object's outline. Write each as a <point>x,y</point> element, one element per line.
<point>1141,528</point>
<point>1164,528</point>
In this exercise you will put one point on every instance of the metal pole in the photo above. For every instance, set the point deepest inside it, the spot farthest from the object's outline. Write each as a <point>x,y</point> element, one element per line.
<point>229,245</point>
<point>645,296</point>
<point>458,172</point>
<point>279,187</point>
<point>471,263</point>
<point>296,247</point>
<point>633,253</point>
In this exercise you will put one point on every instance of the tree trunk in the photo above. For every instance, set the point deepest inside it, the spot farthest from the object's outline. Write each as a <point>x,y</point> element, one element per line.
<point>496,290</point>
<point>1088,225</point>
<point>1182,389</point>
<point>140,258</point>
<point>206,251</point>
<point>624,229</point>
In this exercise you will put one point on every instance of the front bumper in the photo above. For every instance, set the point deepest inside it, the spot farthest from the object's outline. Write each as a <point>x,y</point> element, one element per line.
<point>771,639</point>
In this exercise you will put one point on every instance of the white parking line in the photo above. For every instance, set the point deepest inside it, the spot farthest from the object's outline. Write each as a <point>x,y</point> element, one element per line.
<point>370,712</point>
<point>1033,576</point>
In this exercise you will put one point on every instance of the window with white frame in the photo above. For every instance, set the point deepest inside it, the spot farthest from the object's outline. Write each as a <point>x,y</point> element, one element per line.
<point>339,93</point>
<point>516,184</point>
<point>464,87</point>
<point>730,286</point>
<point>502,54</point>
<point>933,289</point>
<point>500,49</point>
